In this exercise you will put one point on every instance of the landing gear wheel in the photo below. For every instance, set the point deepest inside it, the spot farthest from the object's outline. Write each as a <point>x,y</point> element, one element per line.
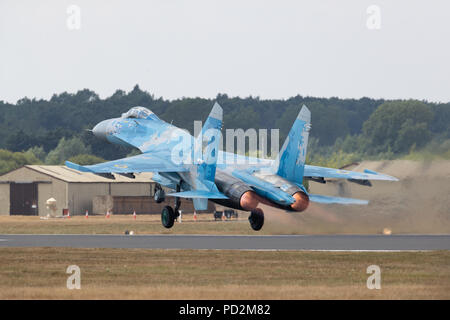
<point>167,217</point>
<point>256,219</point>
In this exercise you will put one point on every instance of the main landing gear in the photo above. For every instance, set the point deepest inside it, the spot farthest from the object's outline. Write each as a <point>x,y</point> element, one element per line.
<point>169,214</point>
<point>256,219</point>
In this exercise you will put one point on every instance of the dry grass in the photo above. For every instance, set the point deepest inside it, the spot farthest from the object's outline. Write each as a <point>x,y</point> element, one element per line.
<point>230,292</point>
<point>117,224</point>
<point>32,273</point>
<point>315,221</point>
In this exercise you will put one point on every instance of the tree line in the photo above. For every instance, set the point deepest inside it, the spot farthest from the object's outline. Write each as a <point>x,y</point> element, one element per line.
<point>54,130</point>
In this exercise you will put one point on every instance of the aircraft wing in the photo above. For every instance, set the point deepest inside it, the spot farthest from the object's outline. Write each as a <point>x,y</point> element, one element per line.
<point>322,172</point>
<point>140,163</point>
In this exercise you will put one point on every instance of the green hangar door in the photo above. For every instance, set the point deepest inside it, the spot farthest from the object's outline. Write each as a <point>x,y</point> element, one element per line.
<point>23,199</point>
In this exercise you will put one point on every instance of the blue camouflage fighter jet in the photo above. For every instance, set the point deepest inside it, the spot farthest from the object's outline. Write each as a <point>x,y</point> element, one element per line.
<point>195,168</point>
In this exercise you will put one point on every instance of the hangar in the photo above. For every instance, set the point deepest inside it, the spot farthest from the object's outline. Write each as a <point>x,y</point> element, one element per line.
<point>24,191</point>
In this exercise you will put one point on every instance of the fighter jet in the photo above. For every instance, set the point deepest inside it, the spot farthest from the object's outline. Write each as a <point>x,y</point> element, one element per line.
<point>189,166</point>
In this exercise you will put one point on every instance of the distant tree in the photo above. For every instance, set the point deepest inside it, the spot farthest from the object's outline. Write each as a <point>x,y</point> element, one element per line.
<point>20,141</point>
<point>86,95</point>
<point>328,122</point>
<point>51,138</point>
<point>86,159</point>
<point>398,125</point>
<point>441,121</point>
<point>411,134</point>
<point>32,122</point>
<point>13,160</point>
<point>38,152</point>
<point>66,149</point>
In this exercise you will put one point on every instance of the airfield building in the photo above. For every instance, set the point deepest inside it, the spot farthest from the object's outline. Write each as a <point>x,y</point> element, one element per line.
<point>25,191</point>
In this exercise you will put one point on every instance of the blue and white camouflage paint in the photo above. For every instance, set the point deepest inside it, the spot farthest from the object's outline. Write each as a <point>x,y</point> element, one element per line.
<point>177,158</point>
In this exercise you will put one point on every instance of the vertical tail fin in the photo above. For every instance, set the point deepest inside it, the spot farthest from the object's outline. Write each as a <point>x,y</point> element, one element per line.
<point>206,147</point>
<point>207,144</point>
<point>290,162</point>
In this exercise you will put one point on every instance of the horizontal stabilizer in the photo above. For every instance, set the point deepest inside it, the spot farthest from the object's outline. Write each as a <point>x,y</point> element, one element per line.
<point>315,171</point>
<point>327,199</point>
<point>199,194</point>
<point>370,171</point>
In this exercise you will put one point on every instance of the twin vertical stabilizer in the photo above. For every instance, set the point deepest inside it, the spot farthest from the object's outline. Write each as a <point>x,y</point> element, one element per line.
<point>290,162</point>
<point>206,151</point>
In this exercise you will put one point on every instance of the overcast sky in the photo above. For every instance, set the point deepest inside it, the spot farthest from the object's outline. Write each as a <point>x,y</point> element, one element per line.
<point>271,49</point>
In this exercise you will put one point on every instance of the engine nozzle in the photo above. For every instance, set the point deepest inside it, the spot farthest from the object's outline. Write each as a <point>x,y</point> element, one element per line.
<point>301,201</point>
<point>249,200</point>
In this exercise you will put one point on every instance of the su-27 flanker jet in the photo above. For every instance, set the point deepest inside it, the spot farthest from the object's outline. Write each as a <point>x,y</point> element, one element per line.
<point>189,166</point>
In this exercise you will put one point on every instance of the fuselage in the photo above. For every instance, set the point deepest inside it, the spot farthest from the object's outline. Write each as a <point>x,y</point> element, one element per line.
<point>142,129</point>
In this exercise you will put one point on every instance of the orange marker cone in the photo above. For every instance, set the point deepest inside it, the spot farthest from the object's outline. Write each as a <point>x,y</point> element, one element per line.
<point>134,215</point>
<point>68,214</point>
<point>87,214</point>
<point>195,215</point>
<point>223,216</point>
<point>108,214</point>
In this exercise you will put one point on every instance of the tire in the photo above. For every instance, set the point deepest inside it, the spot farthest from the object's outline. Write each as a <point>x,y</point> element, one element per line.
<point>256,219</point>
<point>167,217</point>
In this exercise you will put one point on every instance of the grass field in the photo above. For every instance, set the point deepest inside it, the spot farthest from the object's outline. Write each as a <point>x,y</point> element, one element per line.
<point>39,273</point>
<point>118,224</point>
<point>279,223</point>
<point>275,223</point>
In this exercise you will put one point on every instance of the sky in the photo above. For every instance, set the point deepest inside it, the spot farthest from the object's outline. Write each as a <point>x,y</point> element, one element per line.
<point>198,48</point>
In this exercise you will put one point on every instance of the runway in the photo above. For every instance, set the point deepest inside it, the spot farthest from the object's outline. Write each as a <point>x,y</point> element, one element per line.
<point>236,242</point>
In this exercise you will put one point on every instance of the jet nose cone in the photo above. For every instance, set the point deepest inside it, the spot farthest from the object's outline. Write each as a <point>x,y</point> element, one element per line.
<point>100,130</point>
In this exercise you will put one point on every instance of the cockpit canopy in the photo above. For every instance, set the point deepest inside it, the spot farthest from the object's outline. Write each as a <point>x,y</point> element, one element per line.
<point>138,113</point>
